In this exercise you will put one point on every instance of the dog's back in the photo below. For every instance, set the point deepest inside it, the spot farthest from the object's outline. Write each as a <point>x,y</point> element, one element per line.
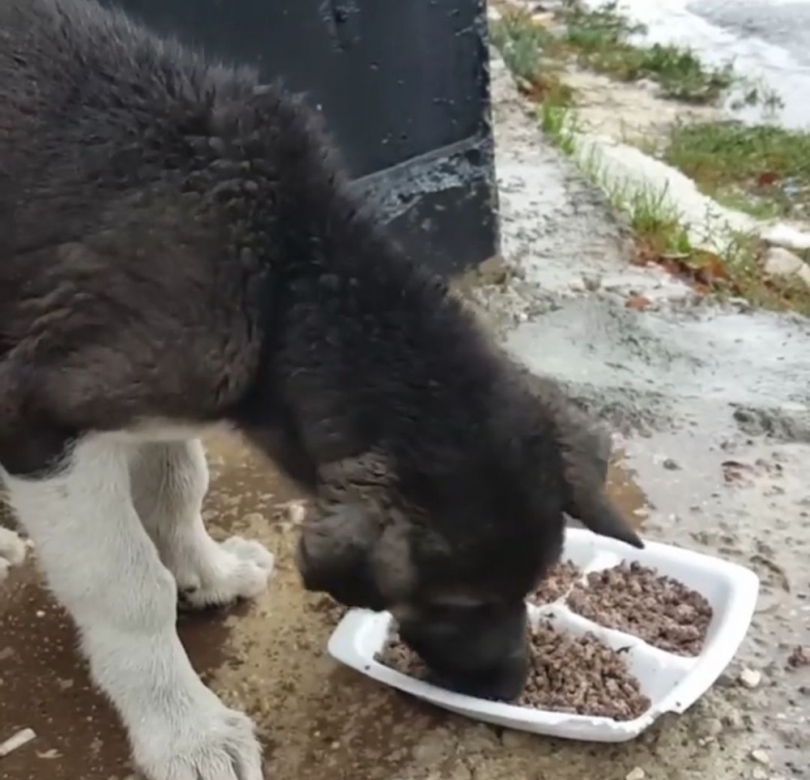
<point>90,106</point>
<point>105,253</point>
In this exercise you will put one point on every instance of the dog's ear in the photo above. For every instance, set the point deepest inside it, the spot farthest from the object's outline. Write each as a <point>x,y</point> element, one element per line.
<point>597,512</point>
<point>586,454</point>
<point>586,448</point>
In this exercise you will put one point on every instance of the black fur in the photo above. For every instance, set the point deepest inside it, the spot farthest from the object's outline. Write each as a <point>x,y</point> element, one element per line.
<point>178,243</point>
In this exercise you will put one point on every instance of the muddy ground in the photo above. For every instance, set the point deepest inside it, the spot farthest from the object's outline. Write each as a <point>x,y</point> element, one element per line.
<point>710,406</point>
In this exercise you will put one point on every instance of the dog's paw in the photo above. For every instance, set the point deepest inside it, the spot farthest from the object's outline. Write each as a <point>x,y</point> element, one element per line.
<point>12,551</point>
<point>234,569</point>
<point>217,744</point>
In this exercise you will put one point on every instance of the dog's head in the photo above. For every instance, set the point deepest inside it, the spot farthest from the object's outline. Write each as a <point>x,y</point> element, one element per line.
<point>451,546</point>
<point>453,541</point>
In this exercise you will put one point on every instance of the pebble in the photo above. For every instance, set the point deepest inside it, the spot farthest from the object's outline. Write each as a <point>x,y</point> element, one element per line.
<point>733,719</point>
<point>750,678</point>
<point>516,740</point>
<point>670,465</point>
<point>759,774</point>
<point>761,757</point>
<point>714,727</point>
<point>636,774</point>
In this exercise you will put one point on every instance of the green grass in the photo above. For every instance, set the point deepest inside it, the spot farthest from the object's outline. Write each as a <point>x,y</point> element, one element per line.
<point>521,43</point>
<point>656,224</point>
<point>601,40</point>
<point>763,170</point>
<point>559,121</point>
<point>662,238</point>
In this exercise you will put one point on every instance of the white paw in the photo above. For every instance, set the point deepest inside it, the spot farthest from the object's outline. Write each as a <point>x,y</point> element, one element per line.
<point>12,551</point>
<point>216,745</point>
<point>234,569</point>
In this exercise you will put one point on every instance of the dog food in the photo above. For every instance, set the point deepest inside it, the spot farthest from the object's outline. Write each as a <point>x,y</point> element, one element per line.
<point>582,675</point>
<point>572,674</point>
<point>400,657</point>
<point>556,584</point>
<point>639,601</point>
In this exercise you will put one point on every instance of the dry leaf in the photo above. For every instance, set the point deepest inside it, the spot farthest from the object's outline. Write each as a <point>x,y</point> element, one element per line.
<point>767,178</point>
<point>799,657</point>
<point>733,470</point>
<point>637,302</point>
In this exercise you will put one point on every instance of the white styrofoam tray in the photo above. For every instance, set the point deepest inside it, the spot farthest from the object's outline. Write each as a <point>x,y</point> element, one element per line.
<point>672,683</point>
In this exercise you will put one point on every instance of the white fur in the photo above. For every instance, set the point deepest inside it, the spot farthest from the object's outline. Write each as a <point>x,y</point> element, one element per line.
<point>12,551</point>
<point>102,565</point>
<point>169,482</point>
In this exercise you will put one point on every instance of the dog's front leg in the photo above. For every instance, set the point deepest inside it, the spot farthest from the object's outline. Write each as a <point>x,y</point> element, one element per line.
<point>169,482</point>
<point>101,564</point>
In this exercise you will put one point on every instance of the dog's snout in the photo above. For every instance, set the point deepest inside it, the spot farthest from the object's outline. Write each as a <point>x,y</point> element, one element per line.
<point>479,653</point>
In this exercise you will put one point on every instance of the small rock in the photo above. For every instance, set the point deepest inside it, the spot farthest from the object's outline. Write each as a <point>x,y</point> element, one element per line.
<point>670,465</point>
<point>733,719</point>
<point>759,774</point>
<point>779,261</point>
<point>592,283</point>
<point>636,774</point>
<point>750,678</point>
<point>799,657</point>
<point>577,285</point>
<point>761,757</point>
<point>516,740</point>
<point>713,727</point>
<point>783,263</point>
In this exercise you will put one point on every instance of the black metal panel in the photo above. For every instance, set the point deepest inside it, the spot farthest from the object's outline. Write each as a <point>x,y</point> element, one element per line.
<point>403,85</point>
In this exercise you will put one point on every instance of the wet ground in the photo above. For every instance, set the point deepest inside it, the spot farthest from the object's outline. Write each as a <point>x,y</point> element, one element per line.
<point>710,406</point>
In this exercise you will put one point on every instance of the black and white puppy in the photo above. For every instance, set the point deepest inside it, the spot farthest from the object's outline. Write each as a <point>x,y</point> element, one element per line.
<point>179,248</point>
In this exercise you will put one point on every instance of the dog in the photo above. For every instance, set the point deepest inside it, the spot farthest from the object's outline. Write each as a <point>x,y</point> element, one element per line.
<point>180,248</point>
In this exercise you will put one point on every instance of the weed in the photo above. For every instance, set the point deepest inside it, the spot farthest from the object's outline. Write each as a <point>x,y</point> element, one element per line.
<point>761,169</point>
<point>656,223</point>
<point>561,123</point>
<point>743,256</point>
<point>601,40</point>
<point>662,238</point>
<point>521,43</point>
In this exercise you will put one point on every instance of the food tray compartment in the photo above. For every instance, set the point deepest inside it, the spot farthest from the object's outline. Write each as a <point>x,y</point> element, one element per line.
<point>671,682</point>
